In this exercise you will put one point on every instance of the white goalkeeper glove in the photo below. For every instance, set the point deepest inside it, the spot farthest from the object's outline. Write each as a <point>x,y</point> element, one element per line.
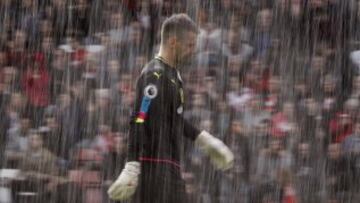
<point>125,185</point>
<point>219,154</point>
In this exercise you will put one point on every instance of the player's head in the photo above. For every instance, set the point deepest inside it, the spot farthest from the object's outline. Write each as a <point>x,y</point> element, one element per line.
<point>178,34</point>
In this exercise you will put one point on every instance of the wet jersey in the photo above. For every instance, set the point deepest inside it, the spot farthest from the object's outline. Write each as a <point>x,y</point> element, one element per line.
<point>157,124</point>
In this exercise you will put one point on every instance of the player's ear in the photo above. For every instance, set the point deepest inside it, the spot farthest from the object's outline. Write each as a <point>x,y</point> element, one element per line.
<point>172,41</point>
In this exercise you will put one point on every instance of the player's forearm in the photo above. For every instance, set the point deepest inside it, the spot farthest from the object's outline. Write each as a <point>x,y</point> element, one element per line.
<point>190,131</point>
<point>220,155</point>
<point>134,144</point>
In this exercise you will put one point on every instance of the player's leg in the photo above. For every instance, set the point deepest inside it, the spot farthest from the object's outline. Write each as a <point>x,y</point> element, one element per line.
<point>160,183</point>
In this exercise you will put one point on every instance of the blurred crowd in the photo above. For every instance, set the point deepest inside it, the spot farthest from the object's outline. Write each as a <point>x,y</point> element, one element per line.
<point>277,80</point>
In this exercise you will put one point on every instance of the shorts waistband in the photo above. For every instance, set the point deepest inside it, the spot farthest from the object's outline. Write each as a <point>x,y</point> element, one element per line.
<point>157,160</point>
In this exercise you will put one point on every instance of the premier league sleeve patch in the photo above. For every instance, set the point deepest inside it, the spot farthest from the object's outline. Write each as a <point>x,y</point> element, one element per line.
<point>150,92</point>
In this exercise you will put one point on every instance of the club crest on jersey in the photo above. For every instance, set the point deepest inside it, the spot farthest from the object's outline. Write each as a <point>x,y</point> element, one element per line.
<point>180,109</point>
<point>150,91</point>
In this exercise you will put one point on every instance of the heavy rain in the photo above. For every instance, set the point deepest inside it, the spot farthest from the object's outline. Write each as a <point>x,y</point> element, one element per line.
<point>277,81</point>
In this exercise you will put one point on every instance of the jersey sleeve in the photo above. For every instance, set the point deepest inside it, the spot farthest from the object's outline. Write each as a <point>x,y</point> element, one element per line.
<point>190,131</point>
<point>148,98</point>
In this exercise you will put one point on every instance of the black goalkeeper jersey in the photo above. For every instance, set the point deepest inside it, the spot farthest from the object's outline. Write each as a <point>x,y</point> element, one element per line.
<point>157,125</point>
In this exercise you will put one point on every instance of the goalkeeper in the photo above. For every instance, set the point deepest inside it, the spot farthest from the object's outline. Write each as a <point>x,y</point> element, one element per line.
<point>152,170</point>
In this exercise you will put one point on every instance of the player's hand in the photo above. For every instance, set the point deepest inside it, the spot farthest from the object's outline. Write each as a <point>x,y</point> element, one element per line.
<point>219,154</point>
<point>125,185</point>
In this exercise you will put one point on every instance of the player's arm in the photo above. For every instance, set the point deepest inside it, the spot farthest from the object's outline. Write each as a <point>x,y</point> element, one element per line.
<point>219,154</point>
<point>149,110</point>
<point>137,129</point>
<point>147,98</point>
<point>190,131</point>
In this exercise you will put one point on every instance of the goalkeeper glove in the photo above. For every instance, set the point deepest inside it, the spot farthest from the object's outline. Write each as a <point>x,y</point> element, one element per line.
<point>219,154</point>
<point>125,185</point>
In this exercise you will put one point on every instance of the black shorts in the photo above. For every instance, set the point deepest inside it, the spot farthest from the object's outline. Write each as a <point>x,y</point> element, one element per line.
<point>160,183</point>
